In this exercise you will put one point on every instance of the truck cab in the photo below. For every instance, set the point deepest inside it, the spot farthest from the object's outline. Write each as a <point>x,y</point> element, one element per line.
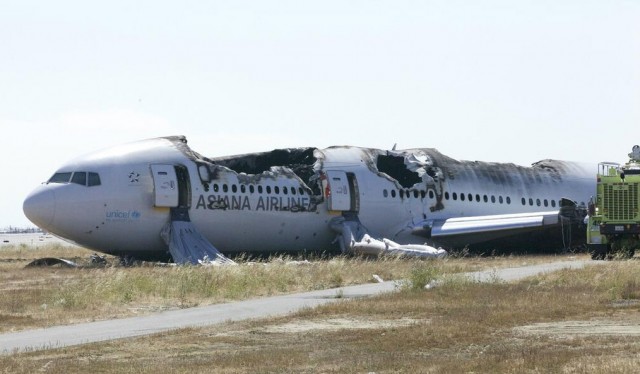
<point>613,229</point>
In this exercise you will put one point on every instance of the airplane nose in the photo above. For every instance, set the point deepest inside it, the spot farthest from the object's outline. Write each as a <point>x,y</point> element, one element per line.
<point>40,207</point>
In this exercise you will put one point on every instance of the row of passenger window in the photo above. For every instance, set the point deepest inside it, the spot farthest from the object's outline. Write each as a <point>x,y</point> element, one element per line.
<point>403,193</point>
<point>260,189</point>
<point>468,197</point>
<point>82,178</point>
<point>485,198</point>
<point>539,202</point>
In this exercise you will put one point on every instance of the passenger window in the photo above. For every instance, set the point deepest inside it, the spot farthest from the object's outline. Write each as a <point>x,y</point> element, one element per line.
<point>416,194</point>
<point>401,194</point>
<point>285,190</point>
<point>276,189</point>
<point>225,188</point>
<point>251,189</point>
<point>234,188</point>
<point>215,187</point>
<point>393,193</point>
<point>477,198</point>
<point>243,188</point>
<point>500,199</point>
<point>455,196</point>
<point>462,197</point>
<point>553,203</point>
<point>385,193</point>
<point>94,179</point>
<point>538,202</point>
<point>531,201</point>
<point>485,198</point>
<point>430,194</point>
<point>79,177</point>
<point>293,190</point>
<point>60,178</point>
<point>301,190</point>
<point>446,195</point>
<point>524,201</point>
<point>508,200</point>
<point>268,189</point>
<point>423,194</point>
<point>470,197</point>
<point>259,189</point>
<point>546,202</point>
<point>493,199</point>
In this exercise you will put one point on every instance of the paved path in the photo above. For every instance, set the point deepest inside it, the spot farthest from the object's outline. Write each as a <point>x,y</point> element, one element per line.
<point>60,336</point>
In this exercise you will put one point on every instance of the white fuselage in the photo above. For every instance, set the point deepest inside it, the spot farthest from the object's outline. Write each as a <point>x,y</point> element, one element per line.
<point>277,209</point>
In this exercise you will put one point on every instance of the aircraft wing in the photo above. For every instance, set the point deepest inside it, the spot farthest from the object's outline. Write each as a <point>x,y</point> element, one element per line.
<point>485,224</point>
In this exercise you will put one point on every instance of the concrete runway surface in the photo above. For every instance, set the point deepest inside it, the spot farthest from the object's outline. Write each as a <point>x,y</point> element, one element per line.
<point>31,240</point>
<point>82,333</point>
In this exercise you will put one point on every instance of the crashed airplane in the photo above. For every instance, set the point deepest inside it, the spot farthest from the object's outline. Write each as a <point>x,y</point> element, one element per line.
<point>158,199</point>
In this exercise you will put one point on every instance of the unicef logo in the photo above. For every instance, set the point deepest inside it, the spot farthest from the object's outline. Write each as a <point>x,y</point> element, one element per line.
<point>123,215</point>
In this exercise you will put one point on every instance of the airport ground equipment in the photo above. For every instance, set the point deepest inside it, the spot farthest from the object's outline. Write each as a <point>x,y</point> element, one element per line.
<point>614,213</point>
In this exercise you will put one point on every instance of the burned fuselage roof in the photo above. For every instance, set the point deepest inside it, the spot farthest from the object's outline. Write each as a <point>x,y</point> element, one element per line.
<point>300,161</point>
<point>406,168</point>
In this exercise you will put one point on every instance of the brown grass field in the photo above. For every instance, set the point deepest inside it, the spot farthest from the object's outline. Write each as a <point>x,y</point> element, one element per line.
<point>572,321</point>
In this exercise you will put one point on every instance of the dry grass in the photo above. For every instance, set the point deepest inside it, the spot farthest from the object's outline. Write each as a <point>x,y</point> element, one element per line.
<point>22,254</point>
<point>38,297</point>
<point>458,327</point>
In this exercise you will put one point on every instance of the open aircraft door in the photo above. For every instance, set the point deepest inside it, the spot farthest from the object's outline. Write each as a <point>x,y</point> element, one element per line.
<point>341,191</point>
<point>165,186</point>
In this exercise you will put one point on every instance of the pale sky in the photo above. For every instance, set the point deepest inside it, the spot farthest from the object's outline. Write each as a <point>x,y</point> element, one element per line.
<point>509,81</point>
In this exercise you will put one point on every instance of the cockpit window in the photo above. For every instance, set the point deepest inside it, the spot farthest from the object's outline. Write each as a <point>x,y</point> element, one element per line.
<point>82,178</point>
<point>60,178</point>
<point>79,177</point>
<point>94,179</point>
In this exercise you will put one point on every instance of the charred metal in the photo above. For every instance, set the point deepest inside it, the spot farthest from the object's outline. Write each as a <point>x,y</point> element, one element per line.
<point>394,166</point>
<point>298,165</point>
<point>300,161</point>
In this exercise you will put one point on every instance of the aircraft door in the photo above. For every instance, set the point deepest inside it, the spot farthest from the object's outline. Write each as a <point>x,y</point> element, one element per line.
<point>165,186</point>
<point>341,191</point>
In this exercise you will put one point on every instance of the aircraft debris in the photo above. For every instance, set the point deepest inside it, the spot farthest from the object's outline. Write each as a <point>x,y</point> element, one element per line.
<point>97,260</point>
<point>354,239</point>
<point>52,261</point>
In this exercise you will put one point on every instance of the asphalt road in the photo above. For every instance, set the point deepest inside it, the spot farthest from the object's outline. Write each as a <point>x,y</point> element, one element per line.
<point>61,336</point>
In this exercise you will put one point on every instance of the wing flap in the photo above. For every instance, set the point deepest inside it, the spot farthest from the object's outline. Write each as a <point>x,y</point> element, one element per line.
<point>482,224</point>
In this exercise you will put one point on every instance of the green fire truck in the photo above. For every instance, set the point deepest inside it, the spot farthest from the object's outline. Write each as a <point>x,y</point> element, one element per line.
<point>613,229</point>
